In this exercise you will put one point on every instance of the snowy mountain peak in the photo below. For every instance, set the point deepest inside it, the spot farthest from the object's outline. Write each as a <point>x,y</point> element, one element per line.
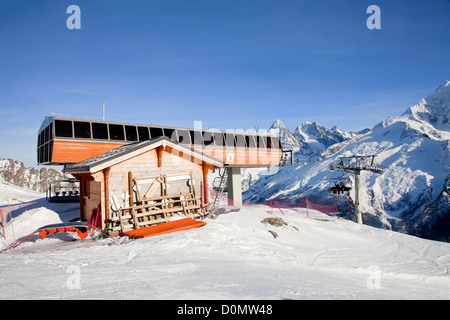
<point>445,85</point>
<point>277,124</point>
<point>434,109</point>
<point>320,137</point>
<point>309,138</point>
<point>288,141</point>
<point>412,195</point>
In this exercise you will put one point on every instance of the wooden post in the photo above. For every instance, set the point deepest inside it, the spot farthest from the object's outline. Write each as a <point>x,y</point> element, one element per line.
<point>205,169</point>
<point>130,199</point>
<point>192,184</point>
<point>159,152</point>
<point>201,197</point>
<point>130,188</point>
<point>106,182</point>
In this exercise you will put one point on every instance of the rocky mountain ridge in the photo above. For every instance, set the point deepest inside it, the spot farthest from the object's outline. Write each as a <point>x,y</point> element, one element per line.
<point>309,139</point>
<point>15,172</point>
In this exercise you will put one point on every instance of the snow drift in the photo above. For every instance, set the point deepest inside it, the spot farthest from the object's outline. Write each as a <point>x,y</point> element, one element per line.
<point>241,254</point>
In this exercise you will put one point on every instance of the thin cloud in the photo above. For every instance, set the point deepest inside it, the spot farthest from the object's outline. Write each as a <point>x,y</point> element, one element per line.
<point>77,91</point>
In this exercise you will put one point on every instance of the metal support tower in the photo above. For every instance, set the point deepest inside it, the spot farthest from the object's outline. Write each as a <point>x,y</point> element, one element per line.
<point>356,164</point>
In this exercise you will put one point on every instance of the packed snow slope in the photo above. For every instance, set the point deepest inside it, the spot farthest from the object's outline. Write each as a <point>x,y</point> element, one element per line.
<point>247,253</point>
<point>412,195</point>
<point>12,194</point>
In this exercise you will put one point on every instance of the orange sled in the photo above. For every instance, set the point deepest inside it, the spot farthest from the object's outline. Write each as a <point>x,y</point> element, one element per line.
<point>79,228</point>
<point>168,227</point>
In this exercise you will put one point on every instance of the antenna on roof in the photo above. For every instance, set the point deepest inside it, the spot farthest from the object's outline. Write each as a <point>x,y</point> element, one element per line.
<point>103,111</point>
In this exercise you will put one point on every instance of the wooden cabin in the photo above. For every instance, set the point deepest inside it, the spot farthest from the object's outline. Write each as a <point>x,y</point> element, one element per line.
<point>144,183</point>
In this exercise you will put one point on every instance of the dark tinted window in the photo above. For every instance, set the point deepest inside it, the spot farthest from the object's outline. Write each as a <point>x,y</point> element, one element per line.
<point>156,132</point>
<point>131,133</point>
<point>250,141</point>
<point>50,151</point>
<point>276,143</point>
<point>41,154</point>
<point>170,133</point>
<point>143,133</point>
<point>46,152</point>
<point>196,137</point>
<point>260,143</point>
<point>229,139</point>
<point>99,130</point>
<point>208,138</point>
<point>240,140</point>
<point>271,143</point>
<point>82,129</point>
<point>63,128</point>
<point>51,131</point>
<point>218,138</point>
<point>116,132</point>
<point>47,134</point>
<point>183,137</point>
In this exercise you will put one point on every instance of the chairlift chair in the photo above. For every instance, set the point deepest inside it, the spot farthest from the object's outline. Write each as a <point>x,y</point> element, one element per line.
<point>340,185</point>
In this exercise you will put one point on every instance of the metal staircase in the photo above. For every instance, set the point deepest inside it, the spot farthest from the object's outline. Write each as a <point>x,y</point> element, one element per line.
<point>221,187</point>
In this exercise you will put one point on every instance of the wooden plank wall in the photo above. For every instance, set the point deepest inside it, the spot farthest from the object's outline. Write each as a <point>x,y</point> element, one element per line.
<point>93,199</point>
<point>146,165</point>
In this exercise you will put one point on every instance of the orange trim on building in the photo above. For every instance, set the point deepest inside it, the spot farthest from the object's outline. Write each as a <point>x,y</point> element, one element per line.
<point>76,151</point>
<point>73,152</point>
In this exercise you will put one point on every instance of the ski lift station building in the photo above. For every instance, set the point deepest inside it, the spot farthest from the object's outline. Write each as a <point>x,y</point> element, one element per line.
<point>113,160</point>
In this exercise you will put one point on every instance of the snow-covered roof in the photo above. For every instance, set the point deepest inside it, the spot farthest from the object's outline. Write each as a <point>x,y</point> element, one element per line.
<point>128,151</point>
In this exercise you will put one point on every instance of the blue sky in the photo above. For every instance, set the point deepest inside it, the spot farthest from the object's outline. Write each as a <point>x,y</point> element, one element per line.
<point>232,64</point>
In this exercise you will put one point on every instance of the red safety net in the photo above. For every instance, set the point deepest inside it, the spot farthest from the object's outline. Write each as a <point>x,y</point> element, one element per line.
<point>324,208</point>
<point>307,204</point>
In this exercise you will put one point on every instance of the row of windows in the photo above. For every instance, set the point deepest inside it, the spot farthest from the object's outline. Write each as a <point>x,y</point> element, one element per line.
<point>119,132</point>
<point>45,152</point>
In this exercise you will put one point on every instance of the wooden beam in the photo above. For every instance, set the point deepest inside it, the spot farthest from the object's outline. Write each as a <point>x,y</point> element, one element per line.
<point>205,169</point>
<point>159,152</point>
<point>130,188</point>
<point>106,199</point>
<point>130,199</point>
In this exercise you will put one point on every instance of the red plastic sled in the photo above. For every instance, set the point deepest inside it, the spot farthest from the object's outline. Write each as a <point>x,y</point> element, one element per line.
<point>79,228</point>
<point>168,227</point>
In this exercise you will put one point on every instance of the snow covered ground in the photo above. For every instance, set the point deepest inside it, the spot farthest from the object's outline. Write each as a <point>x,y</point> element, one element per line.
<point>234,256</point>
<point>11,194</point>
